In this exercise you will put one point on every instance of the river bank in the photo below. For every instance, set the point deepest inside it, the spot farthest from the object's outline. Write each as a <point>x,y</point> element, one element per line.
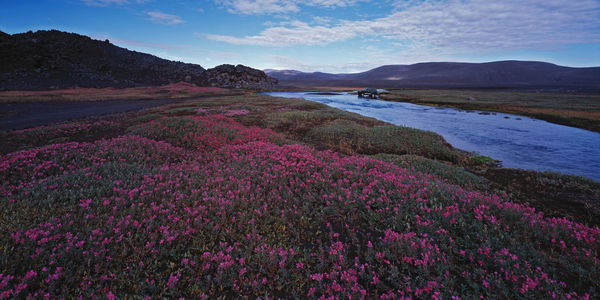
<point>180,90</point>
<point>575,110</point>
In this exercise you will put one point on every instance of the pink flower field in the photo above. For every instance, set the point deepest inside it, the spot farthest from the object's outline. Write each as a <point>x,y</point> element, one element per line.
<point>205,207</point>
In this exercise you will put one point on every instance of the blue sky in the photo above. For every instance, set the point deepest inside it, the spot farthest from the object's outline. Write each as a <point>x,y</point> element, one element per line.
<point>334,36</point>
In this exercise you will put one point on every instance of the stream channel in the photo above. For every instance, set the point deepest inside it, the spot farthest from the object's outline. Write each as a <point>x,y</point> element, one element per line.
<point>517,141</point>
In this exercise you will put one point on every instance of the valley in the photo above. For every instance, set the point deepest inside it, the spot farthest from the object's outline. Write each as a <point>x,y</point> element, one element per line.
<point>126,175</point>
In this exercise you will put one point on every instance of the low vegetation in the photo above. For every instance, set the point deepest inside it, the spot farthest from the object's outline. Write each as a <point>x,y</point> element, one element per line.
<point>349,137</point>
<point>451,173</point>
<point>171,91</point>
<point>243,197</point>
<point>50,134</point>
<point>482,160</point>
<point>556,195</point>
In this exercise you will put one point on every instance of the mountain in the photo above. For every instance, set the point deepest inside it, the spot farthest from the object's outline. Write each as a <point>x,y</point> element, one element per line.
<point>293,75</point>
<point>500,74</point>
<point>55,59</point>
<point>239,76</point>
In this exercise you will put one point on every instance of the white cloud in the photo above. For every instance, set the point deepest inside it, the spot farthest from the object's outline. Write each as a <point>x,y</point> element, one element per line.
<point>280,62</point>
<point>262,7</point>
<point>110,2</point>
<point>332,3</point>
<point>299,33</point>
<point>322,20</point>
<point>477,25</point>
<point>251,7</point>
<point>162,18</point>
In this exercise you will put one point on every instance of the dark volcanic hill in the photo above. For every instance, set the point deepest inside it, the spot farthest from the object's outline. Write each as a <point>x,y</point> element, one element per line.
<point>501,74</point>
<point>54,59</point>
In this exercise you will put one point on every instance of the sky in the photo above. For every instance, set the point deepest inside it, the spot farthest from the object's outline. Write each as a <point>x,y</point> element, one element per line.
<point>335,36</point>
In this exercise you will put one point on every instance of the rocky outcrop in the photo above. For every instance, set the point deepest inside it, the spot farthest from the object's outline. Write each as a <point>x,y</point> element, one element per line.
<point>54,59</point>
<point>239,76</point>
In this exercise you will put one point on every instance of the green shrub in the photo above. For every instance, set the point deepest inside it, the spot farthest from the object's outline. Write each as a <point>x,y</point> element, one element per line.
<point>483,160</point>
<point>145,118</point>
<point>307,105</point>
<point>350,137</point>
<point>300,122</point>
<point>452,174</point>
<point>247,107</point>
<point>181,111</point>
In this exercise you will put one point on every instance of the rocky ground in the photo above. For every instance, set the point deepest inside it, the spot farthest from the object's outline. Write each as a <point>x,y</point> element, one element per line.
<point>53,60</point>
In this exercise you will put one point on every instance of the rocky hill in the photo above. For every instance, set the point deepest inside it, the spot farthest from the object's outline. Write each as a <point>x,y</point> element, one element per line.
<point>229,76</point>
<point>500,74</point>
<point>54,59</point>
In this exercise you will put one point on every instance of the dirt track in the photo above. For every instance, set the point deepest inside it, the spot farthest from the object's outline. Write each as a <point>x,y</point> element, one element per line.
<point>25,115</point>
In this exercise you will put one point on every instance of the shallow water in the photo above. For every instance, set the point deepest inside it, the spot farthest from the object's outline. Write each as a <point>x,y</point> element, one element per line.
<point>516,141</point>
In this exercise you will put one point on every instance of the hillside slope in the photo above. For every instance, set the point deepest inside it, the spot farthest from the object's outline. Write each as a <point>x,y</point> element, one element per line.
<point>54,59</point>
<point>506,74</point>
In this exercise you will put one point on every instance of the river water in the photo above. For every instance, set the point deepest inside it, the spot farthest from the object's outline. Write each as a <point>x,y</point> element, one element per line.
<point>517,141</point>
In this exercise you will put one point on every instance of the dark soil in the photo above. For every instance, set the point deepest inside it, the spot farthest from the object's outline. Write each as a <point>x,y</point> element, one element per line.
<point>53,59</point>
<point>555,195</point>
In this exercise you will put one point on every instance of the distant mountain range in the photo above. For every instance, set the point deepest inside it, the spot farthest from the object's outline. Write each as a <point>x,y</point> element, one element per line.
<point>500,74</point>
<point>54,59</point>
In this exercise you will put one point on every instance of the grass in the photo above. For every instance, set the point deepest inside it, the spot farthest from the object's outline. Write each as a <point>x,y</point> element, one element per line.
<point>228,197</point>
<point>349,137</point>
<point>450,173</point>
<point>328,128</point>
<point>59,133</point>
<point>179,90</point>
<point>299,122</point>
<point>578,110</point>
<point>146,117</point>
<point>180,111</point>
<point>557,195</point>
<point>482,160</point>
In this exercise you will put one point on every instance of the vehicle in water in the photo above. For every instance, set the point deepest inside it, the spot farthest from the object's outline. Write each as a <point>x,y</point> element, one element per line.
<point>368,93</point>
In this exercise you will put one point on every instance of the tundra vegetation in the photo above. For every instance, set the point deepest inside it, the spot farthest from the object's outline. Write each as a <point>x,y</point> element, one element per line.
<point>254,196</point>
<point>170,91</point>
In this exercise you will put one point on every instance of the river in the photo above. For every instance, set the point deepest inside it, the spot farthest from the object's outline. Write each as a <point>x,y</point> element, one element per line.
<point>517,141</point>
